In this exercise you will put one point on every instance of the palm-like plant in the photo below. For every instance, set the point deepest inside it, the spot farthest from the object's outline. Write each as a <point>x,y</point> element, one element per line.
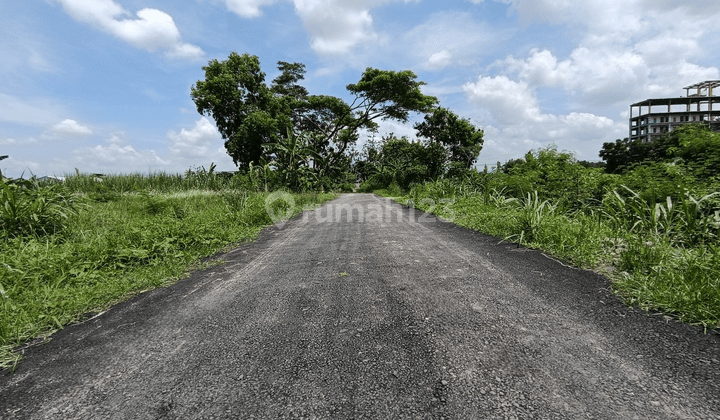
<point>292,156</point>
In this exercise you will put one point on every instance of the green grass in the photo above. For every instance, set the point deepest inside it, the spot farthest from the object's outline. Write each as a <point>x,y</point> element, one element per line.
<point>122,237</point>
<point>659,256</point>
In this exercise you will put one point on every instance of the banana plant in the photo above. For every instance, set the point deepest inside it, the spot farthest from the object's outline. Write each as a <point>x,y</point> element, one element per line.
<point>292,155</point>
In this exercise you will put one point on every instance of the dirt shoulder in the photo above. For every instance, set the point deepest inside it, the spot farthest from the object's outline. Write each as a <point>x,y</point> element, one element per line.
<point>387,314</point>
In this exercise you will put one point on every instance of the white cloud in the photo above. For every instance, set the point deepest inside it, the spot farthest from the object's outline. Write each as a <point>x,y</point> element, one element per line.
<point>106,159</point>
<point>7,142</point>
<point>508,100</point>
<point>439,60</point>
<point>152,30</point>
<point>70,127</point>
<point>196,142</point>
<point>666,48</point>
<point>200,145</point>
<point>185,52</point>
<point>602,76</point>
<point>515,121</point>
<point>605,77</point>
<point>336,26</point>
<point>669,79</point>
<point>117,138</point>
<point>622,51</point>
<point>333,26</point>
<point>542,68</point>
<point>15,168</point>
<point>247,8</point>
<point>622,22</point>
<point>115,158</point>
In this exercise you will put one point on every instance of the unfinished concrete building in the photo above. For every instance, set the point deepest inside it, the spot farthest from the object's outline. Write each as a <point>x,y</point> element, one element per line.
<point>653,117</point>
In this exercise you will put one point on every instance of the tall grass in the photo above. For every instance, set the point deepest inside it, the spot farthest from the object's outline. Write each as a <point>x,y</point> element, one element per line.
<point>90,243</point>
<point>660,255</point>
<point>195,179</point>
<point>28,209</point>
<point>533,213</point>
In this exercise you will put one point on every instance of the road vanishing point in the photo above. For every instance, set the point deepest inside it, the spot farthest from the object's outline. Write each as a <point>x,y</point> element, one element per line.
<point>366,309</point>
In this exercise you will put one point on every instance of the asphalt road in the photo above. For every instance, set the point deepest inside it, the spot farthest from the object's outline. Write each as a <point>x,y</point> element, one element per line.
<point>392,314</point>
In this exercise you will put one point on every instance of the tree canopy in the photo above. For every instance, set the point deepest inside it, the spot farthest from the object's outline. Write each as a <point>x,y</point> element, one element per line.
<point>313,136</point>
<point>692,144</point>
<point>462,139</point>
<point>235,95</point>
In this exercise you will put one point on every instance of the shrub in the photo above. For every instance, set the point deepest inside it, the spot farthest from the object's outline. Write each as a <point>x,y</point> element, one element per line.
<point>27,208</point>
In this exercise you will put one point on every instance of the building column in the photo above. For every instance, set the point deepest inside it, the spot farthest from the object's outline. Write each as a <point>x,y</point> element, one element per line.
<point>710,115</point>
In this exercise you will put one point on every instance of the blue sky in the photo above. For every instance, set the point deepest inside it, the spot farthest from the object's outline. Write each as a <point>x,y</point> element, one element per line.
<point>104,85</point>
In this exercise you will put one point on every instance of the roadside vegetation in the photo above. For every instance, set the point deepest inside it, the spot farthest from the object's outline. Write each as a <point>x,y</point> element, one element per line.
<point>74,248</point>
<point>648,217</point>
<point>651,225</point>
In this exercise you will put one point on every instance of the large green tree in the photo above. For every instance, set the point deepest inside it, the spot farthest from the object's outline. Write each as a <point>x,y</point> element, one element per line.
<point>615,155</point>
<point>462,140</point>
<point>259,121</point>
<point>378,95</point>
<point>235,95</point>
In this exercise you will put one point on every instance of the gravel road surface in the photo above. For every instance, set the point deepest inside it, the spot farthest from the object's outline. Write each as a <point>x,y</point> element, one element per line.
<point>387,314</point>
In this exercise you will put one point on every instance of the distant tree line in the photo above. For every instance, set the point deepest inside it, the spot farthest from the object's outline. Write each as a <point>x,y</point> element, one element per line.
<point>692,145</point>
<point>288,138</point>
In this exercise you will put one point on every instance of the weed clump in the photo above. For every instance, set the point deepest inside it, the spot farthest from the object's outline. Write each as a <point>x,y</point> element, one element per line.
<point>30,209</point>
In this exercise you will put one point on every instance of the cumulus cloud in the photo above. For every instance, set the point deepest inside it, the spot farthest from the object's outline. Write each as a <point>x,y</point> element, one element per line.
<point>602,76</point>
<point>116,158</point>
<point>70,127</point>
<point>247,8</point>
<point>105,159</point>
<point>439,60</point>
<point>196,142</point>
<point>199,145</point>
<point>117,138</point>
<point>516,121</point>
<point>508,100</point>
<point>621,51</point>
<point>623,46</point>
<point>333,26</point>
<point>336,26</point>
<point>152,30</point>
<point>614,14</point>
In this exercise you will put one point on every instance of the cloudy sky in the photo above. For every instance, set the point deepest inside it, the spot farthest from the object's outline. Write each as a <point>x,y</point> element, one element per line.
<point>104,85</point>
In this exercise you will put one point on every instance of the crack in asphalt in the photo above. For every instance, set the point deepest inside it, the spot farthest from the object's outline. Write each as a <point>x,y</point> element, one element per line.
<point>365,308</point>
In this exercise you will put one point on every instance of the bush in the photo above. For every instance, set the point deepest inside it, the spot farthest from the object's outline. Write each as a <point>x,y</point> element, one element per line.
<point>29,209</point>
<point>347,187</point>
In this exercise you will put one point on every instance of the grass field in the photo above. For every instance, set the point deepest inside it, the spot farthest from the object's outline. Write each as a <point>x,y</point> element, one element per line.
<point>661,258</point>
<point>77,247</point>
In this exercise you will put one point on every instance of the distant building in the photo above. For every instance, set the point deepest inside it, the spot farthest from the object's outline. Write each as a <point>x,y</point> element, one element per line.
<point>653,117</point>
